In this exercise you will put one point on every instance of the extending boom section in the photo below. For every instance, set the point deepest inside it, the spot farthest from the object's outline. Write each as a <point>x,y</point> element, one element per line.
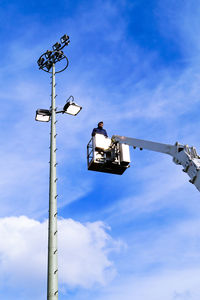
<point>142,144</point>
<point>182,154</point>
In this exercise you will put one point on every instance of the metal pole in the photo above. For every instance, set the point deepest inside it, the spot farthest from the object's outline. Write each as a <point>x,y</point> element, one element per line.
<point>52,281</point>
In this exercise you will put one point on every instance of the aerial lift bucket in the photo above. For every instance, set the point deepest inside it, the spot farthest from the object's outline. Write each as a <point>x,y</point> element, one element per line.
<point>105,156</point>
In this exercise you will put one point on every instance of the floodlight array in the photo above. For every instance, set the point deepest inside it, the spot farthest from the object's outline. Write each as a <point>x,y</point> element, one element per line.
<point>50,57</point>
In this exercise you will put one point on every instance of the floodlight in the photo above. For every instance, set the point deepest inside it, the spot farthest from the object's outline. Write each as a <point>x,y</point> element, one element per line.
<point>48,54</point>
<point>72,108</point>
<point>56,46</point>
<point>59,55</point>
<point>64,39</point>
<point>48,64</point>
<point>40,61</point>
<point>43,115</point>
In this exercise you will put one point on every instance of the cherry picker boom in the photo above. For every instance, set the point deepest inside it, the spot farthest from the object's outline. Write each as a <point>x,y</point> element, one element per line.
<point>113,155</point>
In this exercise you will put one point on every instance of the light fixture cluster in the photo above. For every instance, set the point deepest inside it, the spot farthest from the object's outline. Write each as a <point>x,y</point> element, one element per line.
<point>71,108</point>
<point>47,59</point>
<point>45,63</point>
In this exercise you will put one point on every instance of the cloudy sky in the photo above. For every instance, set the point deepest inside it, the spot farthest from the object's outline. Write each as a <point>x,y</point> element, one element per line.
<point>134,64</point>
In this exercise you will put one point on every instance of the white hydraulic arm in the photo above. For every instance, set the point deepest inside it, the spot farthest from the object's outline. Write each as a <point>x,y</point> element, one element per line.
<point>182,154</point>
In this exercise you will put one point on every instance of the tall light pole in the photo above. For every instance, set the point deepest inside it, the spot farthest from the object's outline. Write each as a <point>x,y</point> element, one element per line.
<point>47,62</point>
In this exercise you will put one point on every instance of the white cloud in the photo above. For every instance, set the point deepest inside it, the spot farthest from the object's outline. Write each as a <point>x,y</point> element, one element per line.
<point>83,253</point>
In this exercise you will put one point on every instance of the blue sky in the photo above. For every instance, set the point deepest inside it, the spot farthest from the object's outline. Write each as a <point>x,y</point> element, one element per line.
<point>134,65</point>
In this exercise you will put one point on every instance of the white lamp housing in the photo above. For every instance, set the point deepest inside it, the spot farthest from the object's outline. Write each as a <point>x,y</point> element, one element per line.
<point>42,115</point>
<point>72,108</point>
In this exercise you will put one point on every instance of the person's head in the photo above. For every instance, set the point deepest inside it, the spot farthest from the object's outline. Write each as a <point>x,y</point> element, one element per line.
<point>100,124</point>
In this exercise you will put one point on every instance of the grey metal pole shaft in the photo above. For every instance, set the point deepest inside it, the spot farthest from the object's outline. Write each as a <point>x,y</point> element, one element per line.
<point>52,280</point>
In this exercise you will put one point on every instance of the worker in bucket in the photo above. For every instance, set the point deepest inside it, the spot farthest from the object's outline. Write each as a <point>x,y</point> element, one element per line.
<point>99,130</point>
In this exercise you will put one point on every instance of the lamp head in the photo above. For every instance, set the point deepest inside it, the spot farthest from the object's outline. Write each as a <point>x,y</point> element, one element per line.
<point>48,54</point>
<point>58,55</point>
<point>71,108</point>
<point>43,115</point>
<point>40,61</point>
<point>65,39</point>
<point>48,64</point>
<point>56,46</point>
